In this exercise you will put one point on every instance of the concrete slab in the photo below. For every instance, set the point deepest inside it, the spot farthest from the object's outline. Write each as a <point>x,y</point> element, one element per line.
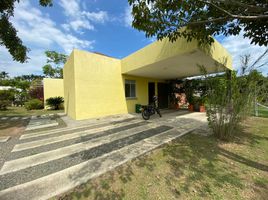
<point>30,128</point>
<point>4,139</point>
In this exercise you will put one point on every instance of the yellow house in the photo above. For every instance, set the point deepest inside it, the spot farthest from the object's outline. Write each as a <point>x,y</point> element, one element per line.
<point>96,85</point>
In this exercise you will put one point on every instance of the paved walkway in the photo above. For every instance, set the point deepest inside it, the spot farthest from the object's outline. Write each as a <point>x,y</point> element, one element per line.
<point>43,121</point>
<point>12,118</point>
<point>46,163</point>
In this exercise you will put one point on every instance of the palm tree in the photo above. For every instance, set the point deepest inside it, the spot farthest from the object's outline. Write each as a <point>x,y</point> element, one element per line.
<point>4,75</point>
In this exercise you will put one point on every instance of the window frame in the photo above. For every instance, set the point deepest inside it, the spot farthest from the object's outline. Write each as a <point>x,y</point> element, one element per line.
<point>131,83</point>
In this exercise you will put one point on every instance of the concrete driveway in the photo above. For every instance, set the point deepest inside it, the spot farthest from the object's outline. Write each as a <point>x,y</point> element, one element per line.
<point>43,164</point>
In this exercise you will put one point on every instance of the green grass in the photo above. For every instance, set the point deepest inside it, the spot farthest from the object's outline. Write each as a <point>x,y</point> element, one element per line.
<point>192,167</point>
<point>263,112</point>
<point>21,111</point>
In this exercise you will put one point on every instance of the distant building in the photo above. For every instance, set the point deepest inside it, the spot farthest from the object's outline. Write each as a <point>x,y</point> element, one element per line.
<point>10,88</point>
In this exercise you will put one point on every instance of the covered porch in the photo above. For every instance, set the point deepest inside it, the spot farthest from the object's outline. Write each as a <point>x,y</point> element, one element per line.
<point>162,62</point>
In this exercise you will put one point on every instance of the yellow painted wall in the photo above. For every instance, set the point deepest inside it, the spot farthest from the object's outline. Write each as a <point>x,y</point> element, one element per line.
<point>53,88</point>
<point>141,91</point>
<point>99,87</point>
<point>69,87</point>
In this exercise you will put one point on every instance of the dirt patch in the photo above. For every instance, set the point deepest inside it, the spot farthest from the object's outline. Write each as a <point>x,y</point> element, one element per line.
<point>12,128</point>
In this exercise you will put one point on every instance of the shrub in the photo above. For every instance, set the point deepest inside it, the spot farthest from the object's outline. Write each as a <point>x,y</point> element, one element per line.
<point>34,104</point>
<point>229,101</point>
<point>4,104</point>
<point>37,93</point>
<point>55,102</point>
<point>6,98</point>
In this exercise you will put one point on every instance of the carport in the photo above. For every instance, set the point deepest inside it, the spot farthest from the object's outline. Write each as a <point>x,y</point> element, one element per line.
<point>164,60</point>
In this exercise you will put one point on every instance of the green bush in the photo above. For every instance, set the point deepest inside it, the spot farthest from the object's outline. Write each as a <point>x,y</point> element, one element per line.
<point>4,104</point>
<point>229,99</point>
<point>34,104</point>
<point>6,98</point>
<point>55,102</point>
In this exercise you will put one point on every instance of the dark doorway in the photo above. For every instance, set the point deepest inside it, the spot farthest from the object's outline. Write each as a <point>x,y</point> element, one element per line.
<point>151,92</point>
<point>163,89</point>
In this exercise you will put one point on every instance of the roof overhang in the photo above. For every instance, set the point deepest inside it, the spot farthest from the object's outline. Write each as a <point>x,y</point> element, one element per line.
<point>166,60</point>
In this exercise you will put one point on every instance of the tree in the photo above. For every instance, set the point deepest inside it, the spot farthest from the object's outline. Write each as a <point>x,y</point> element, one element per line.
<point>29,78</point>
<point>57,59</point>
<point>201,18</point>
<point>231,100</point>
<point>8,34</point>
<point>4,75</point>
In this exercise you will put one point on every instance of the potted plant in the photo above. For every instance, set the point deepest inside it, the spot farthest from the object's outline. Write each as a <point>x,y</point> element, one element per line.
<point>190,100</point>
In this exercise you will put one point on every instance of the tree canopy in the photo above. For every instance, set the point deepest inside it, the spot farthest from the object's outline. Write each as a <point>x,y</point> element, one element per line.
<point>203,18</point>
<point>57,59</point>
<point>8,34</point>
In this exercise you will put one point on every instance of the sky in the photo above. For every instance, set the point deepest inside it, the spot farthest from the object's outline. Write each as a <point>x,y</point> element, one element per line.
<point>92,25</point>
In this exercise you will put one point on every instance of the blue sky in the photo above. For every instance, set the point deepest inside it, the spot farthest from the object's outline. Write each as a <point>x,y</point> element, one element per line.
<point>92,25</point>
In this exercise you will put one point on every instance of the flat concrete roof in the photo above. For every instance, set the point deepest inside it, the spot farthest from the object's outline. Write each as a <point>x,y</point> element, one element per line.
<point>167,60</point>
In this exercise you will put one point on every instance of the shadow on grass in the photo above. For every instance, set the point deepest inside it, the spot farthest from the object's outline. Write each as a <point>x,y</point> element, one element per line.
<point>197,159</point>
<point>247,136</point>
<point>98,191</point>
<point>243,160</point>
<point>105,186</point>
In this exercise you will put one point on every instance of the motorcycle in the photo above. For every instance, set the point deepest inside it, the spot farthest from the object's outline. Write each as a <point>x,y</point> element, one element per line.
<point>147,111</point>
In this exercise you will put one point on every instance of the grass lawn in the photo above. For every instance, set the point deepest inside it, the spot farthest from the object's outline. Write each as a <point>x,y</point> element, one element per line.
<point>21,111</point>
<point>192,167</point>
<point>263,112</point>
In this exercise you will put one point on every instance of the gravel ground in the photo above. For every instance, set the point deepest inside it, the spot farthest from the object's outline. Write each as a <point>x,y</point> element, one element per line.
<point>73,130</point>
<point>56,145</point>
<point>6,148</point>
<point>38,171</point>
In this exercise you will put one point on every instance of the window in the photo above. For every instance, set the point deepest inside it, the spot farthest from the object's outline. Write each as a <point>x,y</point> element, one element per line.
<point>130,89</point>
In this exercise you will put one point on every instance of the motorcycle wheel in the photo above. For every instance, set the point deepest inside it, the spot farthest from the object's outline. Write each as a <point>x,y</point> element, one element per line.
<point>145,115</point>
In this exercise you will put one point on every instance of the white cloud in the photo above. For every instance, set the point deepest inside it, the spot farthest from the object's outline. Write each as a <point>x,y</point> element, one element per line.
<point>238,46</point>
<point>128,18</point>
<point>79,19</point>
<point>100,16</point>
<point>71,7</point>
<point>39,33</point>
